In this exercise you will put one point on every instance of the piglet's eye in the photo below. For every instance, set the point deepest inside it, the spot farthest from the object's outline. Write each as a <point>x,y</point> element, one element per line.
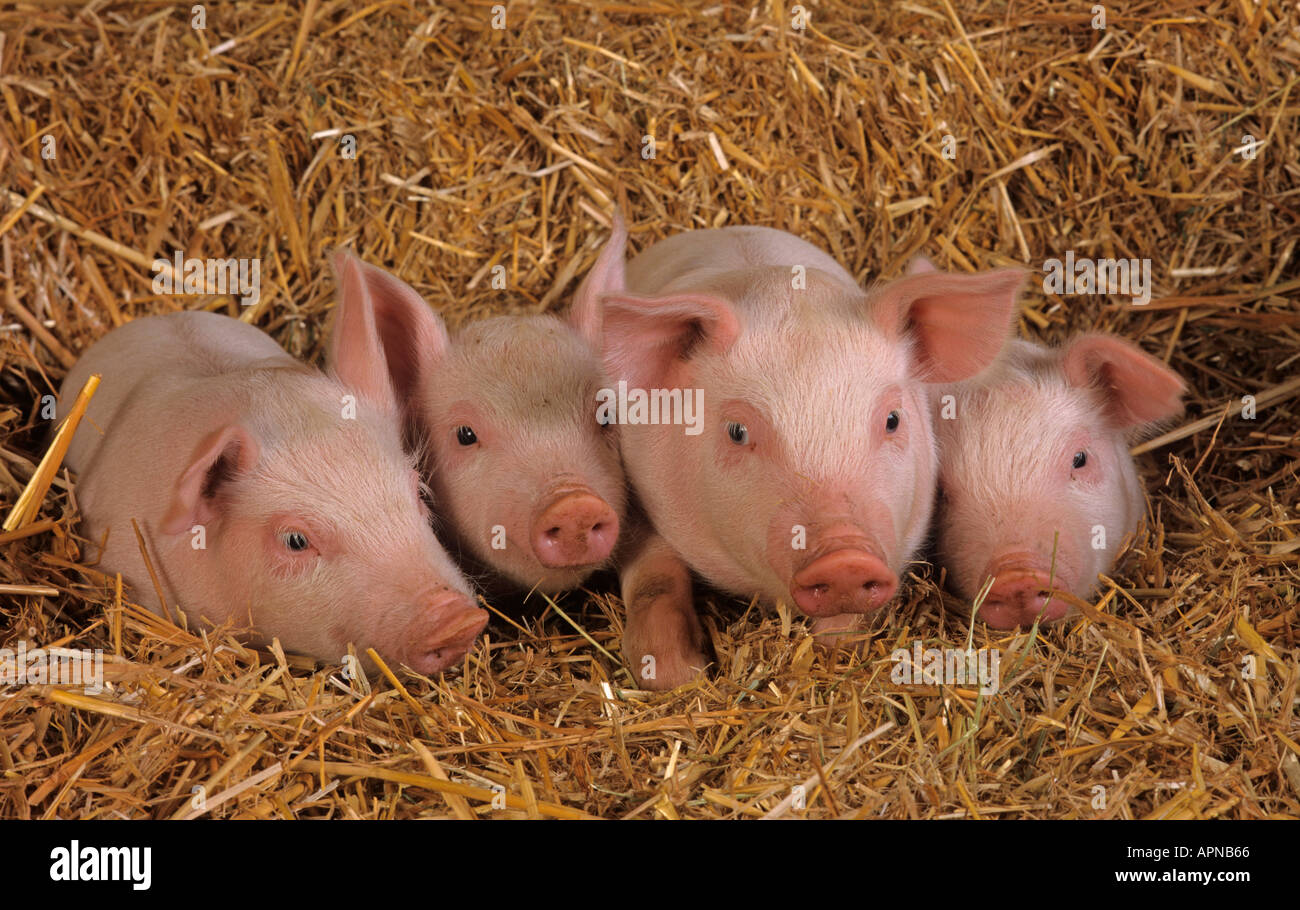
<point>738,433</point>
<point>466,436</point>
<point>295,541</point>
<point>891,422</point>
<point>1080,459</point>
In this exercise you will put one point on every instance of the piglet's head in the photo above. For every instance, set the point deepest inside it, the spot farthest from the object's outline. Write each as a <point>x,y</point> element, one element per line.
<point>311,510</point>
<point>1038,484</point>
<point>811,479</point>
<point>504,416</point>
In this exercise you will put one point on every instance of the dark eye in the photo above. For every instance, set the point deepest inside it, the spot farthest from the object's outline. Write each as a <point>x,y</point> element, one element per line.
<point>295,541</point>
<point>1080,459</point>
<point>738,432</point>
<point>891,422</point>
<point>604,417</point>
<point>465,436</point>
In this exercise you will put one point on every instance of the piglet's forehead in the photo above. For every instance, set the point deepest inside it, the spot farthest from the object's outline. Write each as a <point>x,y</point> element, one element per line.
<point>1015,439</point>
<point>540,375</point>
<point>344,463</point>
<point>805,371</point>
<point>518,406</point>
<point>1026,411</point>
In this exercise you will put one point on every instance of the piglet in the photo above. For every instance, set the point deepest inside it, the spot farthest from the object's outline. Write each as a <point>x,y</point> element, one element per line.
<point>270,496</point>
<point>524,472</point>
<point>806,473</point>
<point>1037,485</point>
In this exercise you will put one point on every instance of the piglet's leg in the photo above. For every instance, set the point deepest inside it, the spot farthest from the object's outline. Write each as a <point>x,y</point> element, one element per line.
<point>663,641</point>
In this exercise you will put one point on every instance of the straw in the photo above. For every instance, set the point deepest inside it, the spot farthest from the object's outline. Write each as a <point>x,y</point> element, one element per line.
<point>979,137</point>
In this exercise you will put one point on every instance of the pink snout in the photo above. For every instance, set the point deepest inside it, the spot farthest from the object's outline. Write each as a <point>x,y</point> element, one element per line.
<point>1019,596</point>
<point>850,580</point>
<point>576,529</point>
<point>441,634</point>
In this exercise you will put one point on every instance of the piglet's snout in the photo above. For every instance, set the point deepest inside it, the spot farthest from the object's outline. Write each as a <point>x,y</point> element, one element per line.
<point>845,577</point>
<point>577,528</point>
<point>442,632</point>
<point>1020,595</point>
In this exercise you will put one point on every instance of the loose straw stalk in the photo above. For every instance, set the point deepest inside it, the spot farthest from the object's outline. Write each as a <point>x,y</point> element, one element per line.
<point>29,501</point>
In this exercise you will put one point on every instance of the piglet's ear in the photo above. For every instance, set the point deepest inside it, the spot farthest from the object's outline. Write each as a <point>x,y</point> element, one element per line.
<point>645,339</point>
<point>1138,389</point>
<point>219,458</point>
<point>605,277</point>
<point>385,336</point>
<point>959,323</point>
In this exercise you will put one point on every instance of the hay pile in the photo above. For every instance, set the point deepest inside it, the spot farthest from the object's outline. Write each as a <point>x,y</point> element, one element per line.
<point>477,147</point>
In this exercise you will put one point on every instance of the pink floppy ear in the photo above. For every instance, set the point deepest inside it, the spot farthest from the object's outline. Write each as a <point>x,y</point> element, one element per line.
<point>646,338</point>
<point>385,337</point>
<point>1139,390</point>
<point>607,276</point>
<point>220,457</point>
<point>958,322</point>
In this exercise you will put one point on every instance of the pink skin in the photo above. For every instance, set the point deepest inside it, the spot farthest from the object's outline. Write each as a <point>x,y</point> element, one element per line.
<point>812,481</point>
<point>312,528</point>
<point>1039,489</point>
<point>505,415</point>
